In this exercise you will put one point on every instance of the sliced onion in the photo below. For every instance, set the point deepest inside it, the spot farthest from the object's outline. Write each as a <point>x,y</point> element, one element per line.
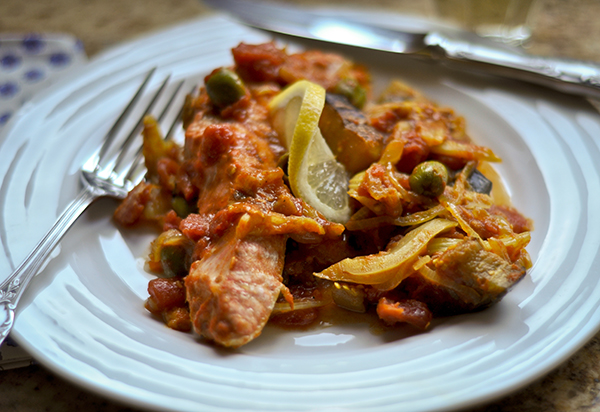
<point>388,268</point>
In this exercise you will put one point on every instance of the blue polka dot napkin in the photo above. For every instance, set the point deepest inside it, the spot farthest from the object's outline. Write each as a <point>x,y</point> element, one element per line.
<point>29,63</point>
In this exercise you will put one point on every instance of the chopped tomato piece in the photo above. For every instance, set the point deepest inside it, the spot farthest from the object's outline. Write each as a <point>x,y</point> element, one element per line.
<point>409,311</point>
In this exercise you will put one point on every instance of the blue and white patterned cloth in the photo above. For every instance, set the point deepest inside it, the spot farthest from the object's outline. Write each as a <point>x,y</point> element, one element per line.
<point>29,63</point>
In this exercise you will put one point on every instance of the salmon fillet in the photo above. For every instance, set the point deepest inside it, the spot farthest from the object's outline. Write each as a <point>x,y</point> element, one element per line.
<point>245,215</point>
<point>237,277</point>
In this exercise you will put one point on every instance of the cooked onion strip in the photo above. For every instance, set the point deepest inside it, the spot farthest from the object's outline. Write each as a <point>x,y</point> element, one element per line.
<point>387,268</point>
<point>465,151</point>
<point>441,244</point>
<point>393,151</point>
<point>518,241</point>
<point>299,304</point>
<point>355,181</point>
<point>417,218</point>
<point>464,225</point>
<point>508,246</point>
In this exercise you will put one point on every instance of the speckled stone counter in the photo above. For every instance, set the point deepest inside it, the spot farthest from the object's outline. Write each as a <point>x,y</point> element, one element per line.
<point>568,28</point>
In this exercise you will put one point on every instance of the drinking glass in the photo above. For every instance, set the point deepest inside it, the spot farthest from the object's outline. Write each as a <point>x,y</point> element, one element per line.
<point>505,20</point>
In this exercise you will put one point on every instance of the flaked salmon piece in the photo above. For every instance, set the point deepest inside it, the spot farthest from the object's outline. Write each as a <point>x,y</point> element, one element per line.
<point>232,290</point>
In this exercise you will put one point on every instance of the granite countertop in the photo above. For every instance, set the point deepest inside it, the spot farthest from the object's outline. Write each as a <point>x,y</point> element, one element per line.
<point>561,28</point>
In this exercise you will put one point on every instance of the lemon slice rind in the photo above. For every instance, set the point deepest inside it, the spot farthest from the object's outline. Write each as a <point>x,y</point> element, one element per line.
<point>314,173</point>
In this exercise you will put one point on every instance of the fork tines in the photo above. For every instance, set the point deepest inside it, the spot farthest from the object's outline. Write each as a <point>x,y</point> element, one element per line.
<point>119,158</point>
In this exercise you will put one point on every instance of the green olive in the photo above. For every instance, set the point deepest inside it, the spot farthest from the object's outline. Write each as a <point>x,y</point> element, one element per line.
<point>429,178</point>
<point>181,206</point>
<point>224,87</point>
<point>175,254</point>
<point>348,296</point>
<point>173,258</point>
<point>356,94</point>
<point>171,252</point>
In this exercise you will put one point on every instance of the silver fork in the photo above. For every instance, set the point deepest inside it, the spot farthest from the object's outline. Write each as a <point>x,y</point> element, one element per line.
<point>105,173</point>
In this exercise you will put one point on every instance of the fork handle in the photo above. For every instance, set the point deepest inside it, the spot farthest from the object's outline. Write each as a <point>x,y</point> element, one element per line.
<point>12,288</point>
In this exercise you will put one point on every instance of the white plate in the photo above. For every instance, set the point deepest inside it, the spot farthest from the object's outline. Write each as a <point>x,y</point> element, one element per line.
<point>88,324</point>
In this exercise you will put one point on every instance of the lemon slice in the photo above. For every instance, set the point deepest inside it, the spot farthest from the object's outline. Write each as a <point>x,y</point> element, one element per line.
<point>314,173</point>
